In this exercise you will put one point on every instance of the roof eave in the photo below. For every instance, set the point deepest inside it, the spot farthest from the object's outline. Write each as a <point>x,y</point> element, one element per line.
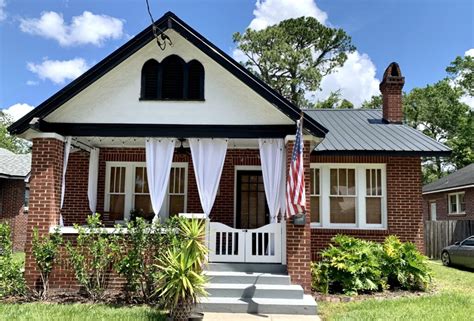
<point>454,188</point>
<point>382,153</point>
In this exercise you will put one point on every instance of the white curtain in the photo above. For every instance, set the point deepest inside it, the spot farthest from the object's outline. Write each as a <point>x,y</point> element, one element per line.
<point>67,150</point>
<point>159,157</point>
<point>208,160</point>
<point>283,185</point>
<point>271,151</point>
<point>93,177</point>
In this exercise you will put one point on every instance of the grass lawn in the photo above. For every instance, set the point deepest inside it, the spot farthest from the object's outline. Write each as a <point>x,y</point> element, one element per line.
<point>76,312</point>
<point>453,301</point>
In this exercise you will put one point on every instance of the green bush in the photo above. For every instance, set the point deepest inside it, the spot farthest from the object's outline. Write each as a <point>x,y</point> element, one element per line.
<point>352,266</point>
<point>12,281</point>
<point>404,266</point>
<point>92,257</point>
<point>45,250</point>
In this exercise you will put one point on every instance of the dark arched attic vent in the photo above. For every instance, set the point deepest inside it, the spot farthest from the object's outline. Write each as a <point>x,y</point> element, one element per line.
<point>195,80</point>
<point>150,79</point>
<point>173,78</point>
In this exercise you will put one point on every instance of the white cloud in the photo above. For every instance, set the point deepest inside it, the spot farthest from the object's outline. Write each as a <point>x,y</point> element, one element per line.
<point>3,14</point>
<point>87,28</point>
<point>270,12</point>
<point>32,82</point>
<point>355,80</point>
<point>18,110</point>
<point>58,71</point>
<point>470,52</point>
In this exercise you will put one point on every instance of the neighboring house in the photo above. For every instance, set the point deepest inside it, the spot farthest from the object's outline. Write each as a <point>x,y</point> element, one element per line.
<point>362,167</point>
<point>450,197</point>
<point>14,193</point>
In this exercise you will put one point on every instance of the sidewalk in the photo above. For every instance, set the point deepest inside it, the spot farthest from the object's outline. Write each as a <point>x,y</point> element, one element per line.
<point>261,317</point>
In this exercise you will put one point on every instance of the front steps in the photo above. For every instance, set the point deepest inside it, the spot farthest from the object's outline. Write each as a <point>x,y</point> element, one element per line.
<point>254,288</point>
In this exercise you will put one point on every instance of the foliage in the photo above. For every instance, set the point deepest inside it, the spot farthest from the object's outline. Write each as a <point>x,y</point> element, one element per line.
<point>461,71</point>
<point>180,278</point>
<point>11,276</point>
<point>294,55</point>
<point>353,266</point>
<point>138,252</point>
<point>12,143</point>
<point>92,257</point>
<point>403,265</point>
<point>334,101</point>
<point>350,266</point>
<point>45,251</point>
<point>375,102</point>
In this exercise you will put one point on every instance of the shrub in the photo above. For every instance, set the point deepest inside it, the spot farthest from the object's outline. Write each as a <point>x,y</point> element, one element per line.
<point>92,257</point>
<point>350,266</point>
<point>403,265</point>
<point>138,251</point>
<point>45,250</point>
<point>11,276</point>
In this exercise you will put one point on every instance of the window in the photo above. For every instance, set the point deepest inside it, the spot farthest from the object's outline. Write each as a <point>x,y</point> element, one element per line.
<point>456,203</point>
<point>172,79</point>
<point>468,242</point>
<point>348,196</point>
<point>127,189</point>
<point>26,199</point>
<point>315,195</point>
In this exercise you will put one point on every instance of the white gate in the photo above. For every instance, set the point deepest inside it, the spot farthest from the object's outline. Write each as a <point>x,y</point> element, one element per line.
<point>261,245</point>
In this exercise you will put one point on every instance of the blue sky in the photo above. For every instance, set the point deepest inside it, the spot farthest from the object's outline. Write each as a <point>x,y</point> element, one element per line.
<point>38,57</point>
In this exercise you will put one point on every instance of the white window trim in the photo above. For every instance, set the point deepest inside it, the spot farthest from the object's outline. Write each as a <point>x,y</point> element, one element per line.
<point>317,224</point>
<point>360,182</point>
<point>458,203</point>
<point>130,183</point>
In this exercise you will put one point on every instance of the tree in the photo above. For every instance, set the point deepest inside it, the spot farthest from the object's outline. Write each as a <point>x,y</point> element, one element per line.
<point>334,101</point>
<point>461,70</point>
<point>345,104</point>
<point>294,55</point>
<point>375,102</point>
<point>438,113</point>
<point>14,144</point>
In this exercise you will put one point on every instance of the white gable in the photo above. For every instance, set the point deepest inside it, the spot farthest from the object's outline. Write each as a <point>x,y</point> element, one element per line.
<point>114,98</point>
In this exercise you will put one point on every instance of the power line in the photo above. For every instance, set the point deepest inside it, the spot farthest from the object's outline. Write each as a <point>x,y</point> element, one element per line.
<point>159,35</point>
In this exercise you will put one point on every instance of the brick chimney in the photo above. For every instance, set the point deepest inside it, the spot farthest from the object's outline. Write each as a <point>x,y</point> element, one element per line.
<point>391,88</point>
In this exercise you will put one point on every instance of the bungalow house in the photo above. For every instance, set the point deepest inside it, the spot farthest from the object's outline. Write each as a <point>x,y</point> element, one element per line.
<point>189,130</point>
<point>14,175</point>
<point>450,197</point>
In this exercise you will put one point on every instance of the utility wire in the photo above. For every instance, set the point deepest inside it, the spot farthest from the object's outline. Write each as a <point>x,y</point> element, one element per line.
<point>159,35</point>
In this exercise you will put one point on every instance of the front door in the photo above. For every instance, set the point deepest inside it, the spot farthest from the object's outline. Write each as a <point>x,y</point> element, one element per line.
<point>252,209</point>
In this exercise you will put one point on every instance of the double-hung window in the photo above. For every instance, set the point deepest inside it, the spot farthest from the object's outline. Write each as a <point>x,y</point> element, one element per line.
<point>126,189</point>
<point>348,196</point>
<point>456,203</point>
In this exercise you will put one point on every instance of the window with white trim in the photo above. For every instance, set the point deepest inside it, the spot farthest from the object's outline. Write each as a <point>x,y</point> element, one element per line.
<point>126,189</point>
<point>348,196</point>
<point>456,203</point>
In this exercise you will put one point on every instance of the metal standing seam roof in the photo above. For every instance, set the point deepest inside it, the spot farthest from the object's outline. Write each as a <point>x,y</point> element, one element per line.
<point>14,165</point>
<point>363,130</point>
<point>462,177</point>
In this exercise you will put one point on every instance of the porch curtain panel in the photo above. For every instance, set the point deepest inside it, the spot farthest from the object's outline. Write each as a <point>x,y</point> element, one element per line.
<point>67,150</point>
<point>93,177</point>
<point>271,158</point>
<point>159,157</point>
<point>208,156</point>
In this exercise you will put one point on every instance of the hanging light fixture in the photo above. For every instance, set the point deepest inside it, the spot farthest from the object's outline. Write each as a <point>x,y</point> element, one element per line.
<point>181,150</point>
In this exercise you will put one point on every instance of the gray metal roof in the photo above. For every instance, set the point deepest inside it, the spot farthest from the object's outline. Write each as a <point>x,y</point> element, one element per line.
<point>462,177</point>
<point>363,131</point>
<point>14,165</point>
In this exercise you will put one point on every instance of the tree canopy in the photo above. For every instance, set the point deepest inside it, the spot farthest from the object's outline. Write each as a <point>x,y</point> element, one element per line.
<point>14,144</point>
<point>294,55</point>
<point>461,71</point>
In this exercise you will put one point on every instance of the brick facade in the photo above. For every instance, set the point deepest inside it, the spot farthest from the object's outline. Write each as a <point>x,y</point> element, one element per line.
<point>12,195</point>
<point>441,200</point>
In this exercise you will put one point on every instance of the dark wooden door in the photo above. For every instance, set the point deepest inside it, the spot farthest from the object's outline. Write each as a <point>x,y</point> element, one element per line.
<point>252,209</point>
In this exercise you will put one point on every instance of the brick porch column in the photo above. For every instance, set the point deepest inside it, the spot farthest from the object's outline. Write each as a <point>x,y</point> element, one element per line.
<point>298,238</point>
<point>45,194</point>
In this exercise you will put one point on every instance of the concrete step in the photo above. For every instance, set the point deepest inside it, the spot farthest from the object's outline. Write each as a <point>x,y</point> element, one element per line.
<point>304,306</point>
<point>248,291</point>
<point>216,277</point>
<point>247,267</point>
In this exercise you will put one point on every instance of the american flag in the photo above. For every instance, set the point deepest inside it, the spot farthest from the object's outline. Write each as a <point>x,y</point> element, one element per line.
<point>295,189</point>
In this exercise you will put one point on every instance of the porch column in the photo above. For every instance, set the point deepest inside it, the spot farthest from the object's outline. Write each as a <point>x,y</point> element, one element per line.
<point>45,196</point>
<point>298,238</point>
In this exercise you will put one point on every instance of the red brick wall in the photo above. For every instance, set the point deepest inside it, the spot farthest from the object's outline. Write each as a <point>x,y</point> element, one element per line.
<point>12,192</point>
<point>441,200</point>
<point>404,204</point>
